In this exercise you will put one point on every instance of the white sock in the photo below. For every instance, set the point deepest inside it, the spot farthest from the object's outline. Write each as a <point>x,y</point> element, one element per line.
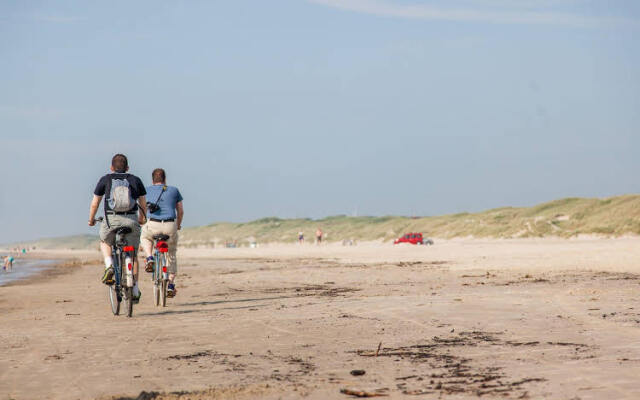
<point>108,262</point>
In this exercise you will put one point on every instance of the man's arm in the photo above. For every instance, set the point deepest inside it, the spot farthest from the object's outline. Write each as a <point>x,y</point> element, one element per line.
<point>180,210</point>
<point>93,209</point>
<point>142,210</point>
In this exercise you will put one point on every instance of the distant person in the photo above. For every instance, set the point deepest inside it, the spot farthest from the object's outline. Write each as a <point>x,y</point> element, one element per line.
<point>300,237</point>
<point>8,263</point>
<point>166,220</point>
<point>318,236</point>
<point>124,206</point>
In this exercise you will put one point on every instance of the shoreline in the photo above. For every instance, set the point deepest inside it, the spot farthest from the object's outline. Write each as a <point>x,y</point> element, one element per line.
<point>52,267</point>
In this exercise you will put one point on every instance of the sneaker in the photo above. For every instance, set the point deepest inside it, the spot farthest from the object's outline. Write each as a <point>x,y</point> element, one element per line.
<point>149,265</point>
<point>107,278</point>
<point>171,290</point>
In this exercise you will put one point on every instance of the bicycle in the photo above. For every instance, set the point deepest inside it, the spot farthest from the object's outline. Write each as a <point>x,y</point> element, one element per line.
<point>160,276</point>
<point>123,256</point>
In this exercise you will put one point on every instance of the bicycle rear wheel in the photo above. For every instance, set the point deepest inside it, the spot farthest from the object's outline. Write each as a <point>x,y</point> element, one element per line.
<point>128,301</point>
<point>163,293</point>
<point>156,293</point>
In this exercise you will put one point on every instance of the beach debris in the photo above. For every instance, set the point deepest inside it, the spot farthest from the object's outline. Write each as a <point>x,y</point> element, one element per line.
<point>358,372</point>
<point>147,395</point>
<point>372,353</point>
<point>361,393</point>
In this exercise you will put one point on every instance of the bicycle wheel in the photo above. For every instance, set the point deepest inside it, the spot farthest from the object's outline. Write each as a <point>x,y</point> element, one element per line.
<point>163,282</point>
<point>163,292</point>
<point>113,299</point>
<point>128,301</point>
<point>156,293</point>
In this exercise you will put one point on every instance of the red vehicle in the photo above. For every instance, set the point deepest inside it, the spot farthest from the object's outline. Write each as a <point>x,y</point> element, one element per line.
<point>413,238</point>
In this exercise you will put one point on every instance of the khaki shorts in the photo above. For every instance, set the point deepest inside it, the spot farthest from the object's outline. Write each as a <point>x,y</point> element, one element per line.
<point>108,233</point>
<point>152,228</point>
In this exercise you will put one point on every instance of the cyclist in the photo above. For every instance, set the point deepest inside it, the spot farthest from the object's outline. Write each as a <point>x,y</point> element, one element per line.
<point>124,206</point>
<point>165,219</point>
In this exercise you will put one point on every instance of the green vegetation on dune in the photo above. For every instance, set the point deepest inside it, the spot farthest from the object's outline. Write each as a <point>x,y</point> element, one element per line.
<point>569,217</point>
<point>564,218</point>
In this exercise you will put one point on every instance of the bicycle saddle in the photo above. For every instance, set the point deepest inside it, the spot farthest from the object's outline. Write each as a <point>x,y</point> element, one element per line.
<point>123,231</point>
<point>161,237</point>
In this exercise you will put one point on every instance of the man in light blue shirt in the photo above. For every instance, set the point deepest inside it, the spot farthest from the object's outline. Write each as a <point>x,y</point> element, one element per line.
<point>164,219</point>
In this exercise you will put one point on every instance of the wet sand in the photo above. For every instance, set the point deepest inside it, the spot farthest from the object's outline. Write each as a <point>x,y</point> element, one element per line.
<point>532,319</point>
<point>24,269</point>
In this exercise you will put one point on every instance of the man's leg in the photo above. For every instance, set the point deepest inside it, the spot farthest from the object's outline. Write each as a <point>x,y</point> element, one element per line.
<point>146,242</point>
<point>105,249</point>
<point>106,239</point>
<point>172,259</point>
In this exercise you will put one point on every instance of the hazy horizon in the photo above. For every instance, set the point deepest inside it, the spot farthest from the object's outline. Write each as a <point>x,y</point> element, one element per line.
<point>306,109</point>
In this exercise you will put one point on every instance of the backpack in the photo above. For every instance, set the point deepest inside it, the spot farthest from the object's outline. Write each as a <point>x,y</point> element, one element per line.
<point>120,198</point>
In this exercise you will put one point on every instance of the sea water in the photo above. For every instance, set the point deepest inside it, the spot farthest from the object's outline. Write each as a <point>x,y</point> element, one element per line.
<point>22,269</point>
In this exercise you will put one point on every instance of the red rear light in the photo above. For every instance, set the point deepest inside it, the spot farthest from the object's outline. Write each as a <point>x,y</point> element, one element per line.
<point>162,245</point>
<point>128,248</point>
<point>163,250</point>
<point>129,266</point>
<point>164,269</point>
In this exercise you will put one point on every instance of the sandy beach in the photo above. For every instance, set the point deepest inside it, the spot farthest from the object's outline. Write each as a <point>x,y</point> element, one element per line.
<point>527,318</point>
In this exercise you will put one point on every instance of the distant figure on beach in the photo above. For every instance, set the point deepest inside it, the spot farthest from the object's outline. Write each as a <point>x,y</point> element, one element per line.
<point>166,220</point>
<point>300,237</point>
<point>318,236</point>
<point>125,205</point>
<point>8,263</point>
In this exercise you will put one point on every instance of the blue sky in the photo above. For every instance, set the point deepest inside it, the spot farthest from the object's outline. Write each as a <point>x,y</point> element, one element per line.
<point>314,108</point>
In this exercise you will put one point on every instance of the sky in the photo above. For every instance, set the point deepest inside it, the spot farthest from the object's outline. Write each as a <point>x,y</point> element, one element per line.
<point>312,108</point>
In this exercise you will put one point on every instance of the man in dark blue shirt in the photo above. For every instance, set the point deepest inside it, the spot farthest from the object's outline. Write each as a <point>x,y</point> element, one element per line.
<point>167,220</point>
<point>124,206</point>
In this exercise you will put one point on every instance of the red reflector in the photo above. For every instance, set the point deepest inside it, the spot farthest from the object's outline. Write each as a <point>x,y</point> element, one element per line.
<point>128,248</point>
<point>163,250</point>
<point>164,269</point>
<point>162,245</point>
<point>129,266</point>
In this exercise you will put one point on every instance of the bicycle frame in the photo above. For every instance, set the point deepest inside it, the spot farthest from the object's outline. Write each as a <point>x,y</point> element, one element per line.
<point>122,254</point>
<point>159,254</point>
<point>160,276</point>
<point>123,275</point>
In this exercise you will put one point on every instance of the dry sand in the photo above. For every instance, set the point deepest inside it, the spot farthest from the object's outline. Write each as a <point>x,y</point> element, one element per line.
<point>550,318</point>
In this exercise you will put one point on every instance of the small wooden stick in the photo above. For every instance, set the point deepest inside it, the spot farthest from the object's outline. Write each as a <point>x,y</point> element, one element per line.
<point>378,351</point>
<point>360,393</point>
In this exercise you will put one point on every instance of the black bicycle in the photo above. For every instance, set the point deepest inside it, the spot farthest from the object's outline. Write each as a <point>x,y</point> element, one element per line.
<point>123,256</point>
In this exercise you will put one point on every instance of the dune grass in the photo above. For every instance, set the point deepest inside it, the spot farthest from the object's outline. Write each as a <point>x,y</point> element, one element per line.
<point>569,217</point>
<point>566,218</point>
